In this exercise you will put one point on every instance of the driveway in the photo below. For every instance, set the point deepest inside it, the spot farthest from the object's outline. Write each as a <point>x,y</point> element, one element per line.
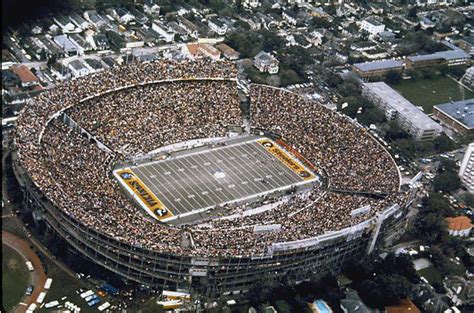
<point>37,277</point>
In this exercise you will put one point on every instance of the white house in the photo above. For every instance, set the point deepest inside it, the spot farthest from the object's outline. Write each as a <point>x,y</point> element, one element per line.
<point>265,62</point>
<point>150,7</point>
<point>78,69</point>
<point>217,26</point>
<point>251,3</point>
<point>165,32</point>
<point>372,26</point>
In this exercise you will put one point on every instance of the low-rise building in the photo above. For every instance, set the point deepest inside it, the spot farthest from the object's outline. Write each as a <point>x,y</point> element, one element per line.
<point>251,3</point>
<point>466,171</point>
<point>467,44</point>
<point>469,76</point>
<point>459,226</point>
<point>265,62</point>
<point>377,68</point>
<point>150,7</point>
<point>217,26</point>
<point>450,57</point>
<point>372,26</point>
<point>68,44</point>
<point>26,76</point>
<point>397,108</point>
<point>79,21</point>
<point>78,69</point>
<point>166,33</point>
<point>289,17</point>
<point>227,51</point>
<point>457,115</point>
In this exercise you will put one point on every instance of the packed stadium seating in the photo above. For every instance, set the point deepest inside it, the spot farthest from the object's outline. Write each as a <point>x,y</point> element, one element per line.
<point>139,107</point>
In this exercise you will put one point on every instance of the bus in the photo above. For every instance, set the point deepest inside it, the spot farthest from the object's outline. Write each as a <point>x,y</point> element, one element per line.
<point>29,265</point>
<point>48,283</point>
<point>41,296</point>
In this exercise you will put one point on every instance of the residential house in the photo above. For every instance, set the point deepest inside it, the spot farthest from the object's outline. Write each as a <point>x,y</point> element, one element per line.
<point>227,51</point>
<point>265,62</point>
<point>93,65</point>
<point>123,16</point>
<point>189,27</point>
<point>428,299</point>
<point>77,20</point>
<point>78,69</point>
<point>372,26</point>
<point>95,19</point>
<point>251,3</point>
<point>69,46</point>
<point>64,23</point>
<point>459,226</point>
<point>26,76</point>
<point>217,26</point>
<point>150,7</point>
<point>101,42</point>
<point>164,31</point>
<point>60,71</point>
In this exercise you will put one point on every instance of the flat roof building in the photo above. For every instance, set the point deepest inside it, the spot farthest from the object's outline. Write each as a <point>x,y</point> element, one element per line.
<point>466,172</point>
<point>396,107</point>
<point>377,68</point>
<point>458,115</point>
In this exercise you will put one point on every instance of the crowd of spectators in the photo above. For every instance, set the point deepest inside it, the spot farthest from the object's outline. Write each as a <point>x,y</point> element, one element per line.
<point>139,107</point>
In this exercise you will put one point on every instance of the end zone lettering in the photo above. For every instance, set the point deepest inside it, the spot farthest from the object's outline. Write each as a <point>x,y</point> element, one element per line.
<point>145,195</point>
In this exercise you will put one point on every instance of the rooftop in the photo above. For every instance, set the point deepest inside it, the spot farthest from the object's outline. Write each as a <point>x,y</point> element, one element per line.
<point>378,65</point>
<point>405,306</point>
<point>447,55</point>
<point>404,107</point>
<point>459,223</point>
<point>462,111</point>
<point>373,22</point>
<point>24,73</point>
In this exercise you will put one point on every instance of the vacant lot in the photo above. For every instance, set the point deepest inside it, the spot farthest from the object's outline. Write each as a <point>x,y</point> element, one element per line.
<point>15,278</point>
<point>429,92</point>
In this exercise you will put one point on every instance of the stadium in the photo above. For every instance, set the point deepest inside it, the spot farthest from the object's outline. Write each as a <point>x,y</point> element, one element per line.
<point>157,172</point>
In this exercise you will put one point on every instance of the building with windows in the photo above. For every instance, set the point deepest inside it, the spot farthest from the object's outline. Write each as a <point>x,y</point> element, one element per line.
<point>466,172</point>
<point>459,226</point>
<point>397,108</point>
<point>265,62</point>
<point>467,44</point>
<point>451,58</point>
<point>377,68</point>
<point>457,115</point>
<point>217,26</point>
<point>372,26</point>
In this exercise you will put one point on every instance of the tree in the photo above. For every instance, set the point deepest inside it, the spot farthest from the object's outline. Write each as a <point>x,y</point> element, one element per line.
<point>412,13</point>
<point>393,77</point>
<point>371,116</point>
<point>430,227</point>
<point>443,143</point>
<point>447,182</point>
<point>395,132</point>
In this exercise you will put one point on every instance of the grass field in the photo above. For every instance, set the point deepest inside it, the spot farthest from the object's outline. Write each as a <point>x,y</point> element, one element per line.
<point>429,92</point>
<point>15,278</point>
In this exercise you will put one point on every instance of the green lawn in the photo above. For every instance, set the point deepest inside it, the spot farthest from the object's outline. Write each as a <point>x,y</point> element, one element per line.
<point>431,274</point>
<point>429,92</point>
<point>15,277</point>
